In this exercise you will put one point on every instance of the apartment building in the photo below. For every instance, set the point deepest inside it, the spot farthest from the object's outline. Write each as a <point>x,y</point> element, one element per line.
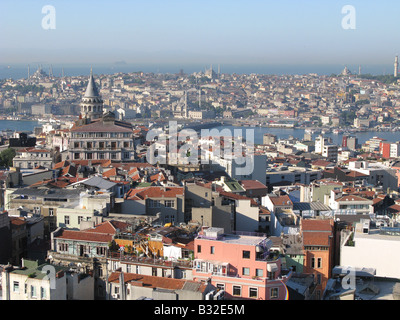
<point>318,248</point>
<point>167,202</point>
<point>239,266</point>
<point>36,282</point>
<point>31,158</point>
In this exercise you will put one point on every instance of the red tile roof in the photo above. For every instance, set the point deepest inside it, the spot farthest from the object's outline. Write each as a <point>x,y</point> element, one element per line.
<point>85,236</point>
<point>351,198</point>
<point>316,232</point>
<point>154,192</point>
<point>281,201</point>
<point>109,227</point>
<point>153,281</point>
<point>252,184</point>
<point>17,221</point>
<point>99,126</point>
<point>316,224</point>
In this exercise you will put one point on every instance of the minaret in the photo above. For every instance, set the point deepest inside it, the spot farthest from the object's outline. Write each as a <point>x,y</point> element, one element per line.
<point>92,104</point>
<point>396,66</point>
<point>186,109</point>
<point>200,99</point>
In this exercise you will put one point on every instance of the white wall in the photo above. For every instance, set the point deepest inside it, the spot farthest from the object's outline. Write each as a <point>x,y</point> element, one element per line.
<point>371,252</point>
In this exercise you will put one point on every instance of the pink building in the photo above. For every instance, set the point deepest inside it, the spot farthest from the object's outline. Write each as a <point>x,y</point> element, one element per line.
<point>241,265</point>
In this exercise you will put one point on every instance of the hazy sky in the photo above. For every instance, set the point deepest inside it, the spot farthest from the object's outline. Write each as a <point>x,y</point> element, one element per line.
<point>192,31</point>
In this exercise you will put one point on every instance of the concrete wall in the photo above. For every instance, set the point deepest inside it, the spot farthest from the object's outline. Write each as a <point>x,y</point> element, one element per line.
<point>246,216</point>
<point>373,252</point>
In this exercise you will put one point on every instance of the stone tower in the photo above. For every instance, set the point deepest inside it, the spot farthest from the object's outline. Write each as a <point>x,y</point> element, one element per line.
<point>92,104</point>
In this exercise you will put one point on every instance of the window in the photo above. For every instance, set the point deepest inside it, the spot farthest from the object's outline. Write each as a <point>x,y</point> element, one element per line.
<point>319,279</point>
<point>33,292</point>
<point>212,249</point>
<point>16,286</point>
<point>246,271</point>
<point>237,291</point>
<point>62,247</point>
<point>101,251</point>
<point>274,293</point>
<point>270,275</point>
<point>253,292</point>
<point>312,262</point>
<point>319,263</point>
<point>51,212</point>
<point>259,272</point>
<point>80,218</point>
<point>220,286</point>
<point>154,203</point>
<point>246,254</point>
<point>198,249</point>
<point>169,203</point>
<point>77,156</point>
<point>66,220</point>
<point>42,293</point>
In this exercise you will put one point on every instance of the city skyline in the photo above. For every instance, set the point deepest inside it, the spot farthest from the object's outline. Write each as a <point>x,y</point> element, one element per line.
<point>242,32</point>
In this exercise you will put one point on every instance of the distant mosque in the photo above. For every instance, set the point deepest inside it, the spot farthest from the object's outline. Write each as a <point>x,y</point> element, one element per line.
<point>346,71</point>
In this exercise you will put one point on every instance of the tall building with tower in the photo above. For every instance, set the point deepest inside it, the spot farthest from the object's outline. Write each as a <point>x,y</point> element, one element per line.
<point>396,66</point>
<point>98,136</point>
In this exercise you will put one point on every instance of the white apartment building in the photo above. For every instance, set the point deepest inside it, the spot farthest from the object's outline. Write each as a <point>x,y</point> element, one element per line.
<point>30,158</point>
<point>330,152</point>
<point>372,247</point>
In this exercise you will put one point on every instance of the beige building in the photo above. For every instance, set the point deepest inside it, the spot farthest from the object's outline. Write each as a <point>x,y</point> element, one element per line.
<point>98,136</point>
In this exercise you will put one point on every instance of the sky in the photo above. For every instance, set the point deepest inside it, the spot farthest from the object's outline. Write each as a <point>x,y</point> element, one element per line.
<point>191,31</point>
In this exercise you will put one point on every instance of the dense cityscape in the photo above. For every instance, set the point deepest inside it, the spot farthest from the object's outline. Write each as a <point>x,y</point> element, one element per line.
<point>213,187</point>
<point>81,195</point>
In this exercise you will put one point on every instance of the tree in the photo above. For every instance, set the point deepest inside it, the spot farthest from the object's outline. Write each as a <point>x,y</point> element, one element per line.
<point>6,157</point>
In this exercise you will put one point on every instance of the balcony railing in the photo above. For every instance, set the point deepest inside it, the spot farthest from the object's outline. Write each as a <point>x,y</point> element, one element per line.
<point>151,261</point>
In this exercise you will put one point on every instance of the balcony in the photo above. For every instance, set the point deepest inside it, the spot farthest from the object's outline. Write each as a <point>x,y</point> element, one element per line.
<point>149,261</point>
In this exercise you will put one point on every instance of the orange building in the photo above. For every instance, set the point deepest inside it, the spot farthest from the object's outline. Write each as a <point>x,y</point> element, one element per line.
<point>318,246</point>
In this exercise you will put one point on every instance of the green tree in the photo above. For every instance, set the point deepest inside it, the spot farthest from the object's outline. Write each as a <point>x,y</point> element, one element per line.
<point>6,157</point>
